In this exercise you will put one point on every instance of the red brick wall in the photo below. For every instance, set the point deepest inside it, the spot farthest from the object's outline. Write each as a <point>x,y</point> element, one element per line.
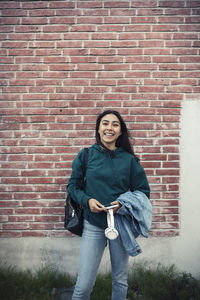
<point>62,63</point>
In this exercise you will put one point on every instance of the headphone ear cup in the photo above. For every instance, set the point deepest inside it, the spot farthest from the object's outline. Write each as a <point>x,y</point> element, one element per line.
<point>107,231</point>
<point>111,233</point>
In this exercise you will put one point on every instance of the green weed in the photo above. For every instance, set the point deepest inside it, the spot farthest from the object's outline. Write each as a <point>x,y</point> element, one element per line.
<point>162,283</point>
<point>24,285</point>
<point>102,288</point>
<point>145,283</point>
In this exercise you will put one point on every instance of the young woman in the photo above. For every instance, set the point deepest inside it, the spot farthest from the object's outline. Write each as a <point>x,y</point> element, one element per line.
<point>112,170</point>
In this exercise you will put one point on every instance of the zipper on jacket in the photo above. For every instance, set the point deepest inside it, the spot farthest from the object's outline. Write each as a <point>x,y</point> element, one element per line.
<point>112,165</point>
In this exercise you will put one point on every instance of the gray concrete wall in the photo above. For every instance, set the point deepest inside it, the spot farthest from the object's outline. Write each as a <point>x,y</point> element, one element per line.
<point>183,251</point>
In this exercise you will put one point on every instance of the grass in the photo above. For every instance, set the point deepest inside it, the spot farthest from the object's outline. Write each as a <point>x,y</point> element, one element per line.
<point>16,284</point>
<point>162,283</point>
<point>159,283</point>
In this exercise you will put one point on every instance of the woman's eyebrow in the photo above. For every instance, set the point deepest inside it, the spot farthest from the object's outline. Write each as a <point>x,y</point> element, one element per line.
<point>112,122</point>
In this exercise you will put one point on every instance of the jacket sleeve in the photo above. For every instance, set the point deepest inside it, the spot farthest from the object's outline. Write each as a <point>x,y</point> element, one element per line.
<point>138,179</point>
<point>75,184</point>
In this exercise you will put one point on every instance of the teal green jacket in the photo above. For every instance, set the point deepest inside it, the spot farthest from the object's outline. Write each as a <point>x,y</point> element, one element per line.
<point>106,179</point>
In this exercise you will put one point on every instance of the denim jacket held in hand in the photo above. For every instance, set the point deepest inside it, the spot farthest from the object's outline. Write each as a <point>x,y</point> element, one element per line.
<point>134,218</point>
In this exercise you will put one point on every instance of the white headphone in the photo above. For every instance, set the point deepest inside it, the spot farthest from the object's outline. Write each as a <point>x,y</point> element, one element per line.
<point>110,232</point>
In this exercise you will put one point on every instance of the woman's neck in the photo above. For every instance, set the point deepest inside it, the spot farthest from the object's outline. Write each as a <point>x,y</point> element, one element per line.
<point>108,147</point>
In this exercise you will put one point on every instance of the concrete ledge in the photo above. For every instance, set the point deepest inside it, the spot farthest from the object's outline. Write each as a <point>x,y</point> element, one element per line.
<point>63,253</point>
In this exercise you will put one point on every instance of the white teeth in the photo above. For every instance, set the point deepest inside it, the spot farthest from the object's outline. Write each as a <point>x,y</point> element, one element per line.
<point>109,134</point>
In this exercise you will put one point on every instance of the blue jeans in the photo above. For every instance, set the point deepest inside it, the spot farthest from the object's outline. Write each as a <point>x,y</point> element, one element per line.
<point>92,247</point>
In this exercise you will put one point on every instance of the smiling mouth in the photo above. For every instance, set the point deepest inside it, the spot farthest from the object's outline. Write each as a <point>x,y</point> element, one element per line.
<point>109,134</point>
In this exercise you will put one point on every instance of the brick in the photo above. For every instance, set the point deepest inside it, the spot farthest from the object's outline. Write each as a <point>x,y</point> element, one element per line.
<point>151,43</point>
<point>83,28</point>
<point>36,226</point>
<point>53,211</point>
<point>171,149</point>
<point>149,12</point>
<point>9,44</point>
<point>166,233</point>
<point>33,173</point>
<point>34,233</point>
<point>192,66</point>
<point>185,36</point>
<point>27,211</point>
<point>3,219</point>
<point>53,195</point>
<point>143,19</point>
<point>108,28</point>
<point>171,19</point>
<point>41,13</point>
<point>130,36</point>
<point>144,3</point>
<point>34,20</point>
<point>170,180</point>
<point>173,187</point>
<point>159,218</point>
<point>8,203</point>
<point>159,157</point>
<point>177,11</point>
<point>61,4</point>
<point>23,52</point>
<point>14,226</point>
<point>10,234</point>
<point>25,28</point>
<point>89,20</point>
<point>137,74</point>
<point>116,4</point>
<point>59,233</point>
<point>40,165</point>
<point>138,59</point>
<point>151,89</point>
<point>13,219</point>
<point>10,21</point>
<point>51,219</point>
<point>116,20</point>
<point>171,4</point>
<point>40,180</point>
<point>95,12</point>
<point>123,12</point>
<point>27,59</point>
<point>156,51</point>
<point>169,172</point>
<point>151,165</point>
<point>178,43</point>
<point>169,225</point>
<point>172,218</point>
<point>114,97</point>
<point>191,74</point>
<point>173,157</point>
<point>25,196</point>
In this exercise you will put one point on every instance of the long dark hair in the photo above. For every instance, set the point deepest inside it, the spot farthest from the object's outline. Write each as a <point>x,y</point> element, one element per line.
<point>123,140</point>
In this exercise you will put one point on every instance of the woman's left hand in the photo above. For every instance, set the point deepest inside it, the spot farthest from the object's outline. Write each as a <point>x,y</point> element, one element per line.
<point>115,209</point>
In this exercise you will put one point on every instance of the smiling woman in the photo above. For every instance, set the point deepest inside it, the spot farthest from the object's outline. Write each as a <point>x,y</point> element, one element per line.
<point>112,170</point>
<point>122,139</point>
<point>109,131</point>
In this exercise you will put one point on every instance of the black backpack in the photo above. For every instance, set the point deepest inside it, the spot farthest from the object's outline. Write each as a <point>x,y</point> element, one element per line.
<point>73,211</point>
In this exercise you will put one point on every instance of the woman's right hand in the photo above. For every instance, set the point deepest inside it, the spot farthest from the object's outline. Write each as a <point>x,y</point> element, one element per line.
<point>96,206</point>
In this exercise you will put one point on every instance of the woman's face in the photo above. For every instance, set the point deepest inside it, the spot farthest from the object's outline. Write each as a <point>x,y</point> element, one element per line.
<point>109,130</point>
